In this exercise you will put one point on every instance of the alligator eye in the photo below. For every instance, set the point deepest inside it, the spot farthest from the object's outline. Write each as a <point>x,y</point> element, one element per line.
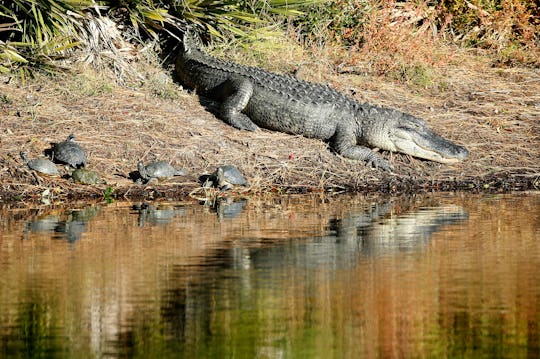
<point>414,122</point>
<point>407,127</point>
<point>412,125</point>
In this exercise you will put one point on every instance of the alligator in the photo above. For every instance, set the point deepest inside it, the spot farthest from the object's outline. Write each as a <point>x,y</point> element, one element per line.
<point>250,98</point>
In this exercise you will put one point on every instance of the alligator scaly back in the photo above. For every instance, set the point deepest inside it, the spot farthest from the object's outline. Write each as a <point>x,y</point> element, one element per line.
<point>285,85</point>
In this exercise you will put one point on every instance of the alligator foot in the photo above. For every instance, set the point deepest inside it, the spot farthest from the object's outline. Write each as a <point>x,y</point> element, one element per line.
<point>379,162</point>
<point>241,122</point>
<point>371,158</point>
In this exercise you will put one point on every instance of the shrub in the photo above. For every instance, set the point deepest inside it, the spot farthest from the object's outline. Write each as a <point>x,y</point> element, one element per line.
<point>398,28</point>
<point>33,32</point>
<point>492,23</point>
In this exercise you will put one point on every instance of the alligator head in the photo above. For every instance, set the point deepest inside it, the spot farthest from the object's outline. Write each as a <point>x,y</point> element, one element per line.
<point>400,132</point>
<point>191,41</point>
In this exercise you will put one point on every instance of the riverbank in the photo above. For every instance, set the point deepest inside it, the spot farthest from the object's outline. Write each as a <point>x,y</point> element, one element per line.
<point>492,111</point>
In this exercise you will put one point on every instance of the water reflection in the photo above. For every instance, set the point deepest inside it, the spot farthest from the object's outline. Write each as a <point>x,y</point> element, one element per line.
<point>229,208</point>
<point>157,215</point>
<point>434,276</point>
<point>372,231</point>
<point>45,223</point>
<point>377,230</point>
<point>68,226</point>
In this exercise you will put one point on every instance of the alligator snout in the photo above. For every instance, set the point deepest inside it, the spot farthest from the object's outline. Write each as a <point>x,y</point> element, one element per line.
<point>446,152</point>
<point>461,153</point>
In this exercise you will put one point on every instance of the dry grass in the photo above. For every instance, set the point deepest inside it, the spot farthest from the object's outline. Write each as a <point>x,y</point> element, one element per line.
<point>493,112</point>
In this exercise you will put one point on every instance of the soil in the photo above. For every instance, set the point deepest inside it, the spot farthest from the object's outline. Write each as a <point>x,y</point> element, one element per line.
<point>494,112</point>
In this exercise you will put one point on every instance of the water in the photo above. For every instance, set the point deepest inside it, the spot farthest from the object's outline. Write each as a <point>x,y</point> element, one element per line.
<point>298,277</point>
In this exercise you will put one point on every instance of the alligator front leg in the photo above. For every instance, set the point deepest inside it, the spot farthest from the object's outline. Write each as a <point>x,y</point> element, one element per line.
<point>345,143</point>
<point>235,94</point>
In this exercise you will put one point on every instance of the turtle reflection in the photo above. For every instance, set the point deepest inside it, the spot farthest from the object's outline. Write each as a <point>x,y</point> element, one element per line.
<point>229,208</point>
<point>69,225</point>
<point>76,223</point>
<point>154,215</point>
<point>41,224</point>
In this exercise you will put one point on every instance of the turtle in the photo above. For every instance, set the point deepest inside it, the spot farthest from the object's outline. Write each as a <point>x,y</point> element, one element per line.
<point>86,176</point>
<point>68,152</point>
<point>226,177</point>
<point>159,170</point>
<point>41,165</point>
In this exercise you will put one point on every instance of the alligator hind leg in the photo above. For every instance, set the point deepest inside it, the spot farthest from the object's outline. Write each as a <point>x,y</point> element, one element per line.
<point>235,94</point>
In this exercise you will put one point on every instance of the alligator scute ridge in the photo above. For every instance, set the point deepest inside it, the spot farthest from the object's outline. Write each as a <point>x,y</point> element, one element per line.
<point>280,83</point>
<point>250,97</point>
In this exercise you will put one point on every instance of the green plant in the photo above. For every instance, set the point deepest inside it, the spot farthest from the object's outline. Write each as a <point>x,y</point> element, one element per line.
<point>108,195</point>
<point>33,33</point>
<point>237,17</point>
<point>5,100</point>
<point>342,21</point>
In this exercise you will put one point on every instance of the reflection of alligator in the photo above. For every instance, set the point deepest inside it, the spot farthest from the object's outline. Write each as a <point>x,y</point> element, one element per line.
<point>372,232</point>
<point>251,97</point>
<point>246,273</point>
<point>407,231</point>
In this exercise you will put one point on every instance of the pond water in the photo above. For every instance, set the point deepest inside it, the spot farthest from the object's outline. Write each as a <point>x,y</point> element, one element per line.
<point>438,275</point>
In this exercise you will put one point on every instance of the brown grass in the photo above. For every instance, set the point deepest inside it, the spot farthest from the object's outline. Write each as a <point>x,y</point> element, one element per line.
<point>494,112</point>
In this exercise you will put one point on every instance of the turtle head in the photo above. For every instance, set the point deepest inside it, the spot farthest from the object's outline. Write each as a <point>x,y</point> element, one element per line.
<point>220,177</point>
<point>23,156</point>
<point>142,170</point>
<point>71,137</point>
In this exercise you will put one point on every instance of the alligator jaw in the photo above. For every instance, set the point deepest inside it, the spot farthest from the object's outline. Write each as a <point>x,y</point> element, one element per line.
<point>422,142</point>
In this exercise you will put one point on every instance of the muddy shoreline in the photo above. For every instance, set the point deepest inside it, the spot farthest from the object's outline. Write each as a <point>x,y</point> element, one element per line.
<point>53,193</point>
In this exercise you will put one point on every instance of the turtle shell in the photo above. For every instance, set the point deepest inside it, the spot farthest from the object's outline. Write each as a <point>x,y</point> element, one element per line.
<point>41,165</point>
<point>230,175</point>
<point>158,169</point>
<point>86,176</point>
<point>69,152</point>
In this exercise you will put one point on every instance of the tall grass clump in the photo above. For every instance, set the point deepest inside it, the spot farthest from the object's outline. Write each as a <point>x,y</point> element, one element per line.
<point>237,17</point>
<point>395,39</point>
